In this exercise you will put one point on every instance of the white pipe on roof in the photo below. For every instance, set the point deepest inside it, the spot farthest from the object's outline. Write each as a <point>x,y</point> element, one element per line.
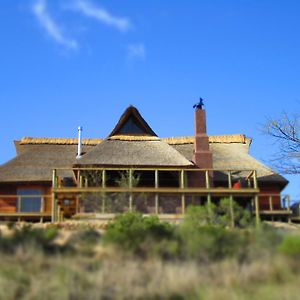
<point>79,148</point>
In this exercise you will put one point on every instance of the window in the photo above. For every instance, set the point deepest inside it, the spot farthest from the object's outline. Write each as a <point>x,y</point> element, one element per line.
<point>131,127</point>
<point>30,200</point>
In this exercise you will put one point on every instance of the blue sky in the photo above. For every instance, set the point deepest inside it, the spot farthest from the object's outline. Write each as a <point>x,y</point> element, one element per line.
<point>82,62</point>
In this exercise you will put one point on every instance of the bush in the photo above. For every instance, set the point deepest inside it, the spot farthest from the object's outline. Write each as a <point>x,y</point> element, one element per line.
<point>132,231</point>
<point>208,242</point>
<point>28,236</point>
<point>241,216</point>
<point>204,234</point>
<point>219,215</point>
<point>290,246</point>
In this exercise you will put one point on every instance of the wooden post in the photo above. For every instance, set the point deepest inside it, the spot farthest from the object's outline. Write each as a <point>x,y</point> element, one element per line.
<point>229,180</point>
<point>156,194</point>
<point>209,206</point>
<point>78,178</point>
<point>42,204</point>
<point>130,187</point>
<point>207,181</point>
<point>257,217</point>
<point>54,200</point>
<point>271,203</point>
<point>58,213</point>
<point>182,185</point>
<point>271,206</point>
<point>255,179</point>
<point>256,199</point>
<point>103,193</point>
<point>42,208</point>
<point>19,204</point>
<point>231,211</point>
<point>289,208</point>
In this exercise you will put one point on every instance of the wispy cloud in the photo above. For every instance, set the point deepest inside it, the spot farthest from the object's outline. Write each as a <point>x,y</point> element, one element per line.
<point>52,28</point>
<point>102,15</point>
<point>137,51</point>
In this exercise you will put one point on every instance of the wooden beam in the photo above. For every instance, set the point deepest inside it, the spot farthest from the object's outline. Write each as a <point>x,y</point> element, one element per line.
<point>229,179</point>
<point>207,179</point>
<point>103,195</point>
<point>271,202</point>
<point>156,182</point>
<point>54,198</point>
<point>200,191</point>
<point>231,211</point>
<point>255,183</point>
<point>209,206</point>
<point>182,186</point>
<point>130,187</point>
<point>257,216</point>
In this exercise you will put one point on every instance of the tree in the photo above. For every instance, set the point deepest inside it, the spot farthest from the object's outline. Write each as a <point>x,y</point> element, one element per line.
<point>286,132</point>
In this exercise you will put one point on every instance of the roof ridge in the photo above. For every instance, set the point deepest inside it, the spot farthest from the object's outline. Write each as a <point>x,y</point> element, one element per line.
<point>59,141</point>
<point>223,139</point>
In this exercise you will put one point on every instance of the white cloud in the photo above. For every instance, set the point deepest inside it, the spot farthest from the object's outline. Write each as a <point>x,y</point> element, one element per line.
<point>102,15</point>
<point>51,27</point>
<point>137,51</point>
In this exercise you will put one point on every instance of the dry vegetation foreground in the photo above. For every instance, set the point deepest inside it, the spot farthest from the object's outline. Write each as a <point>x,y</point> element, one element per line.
<point>142,258</point>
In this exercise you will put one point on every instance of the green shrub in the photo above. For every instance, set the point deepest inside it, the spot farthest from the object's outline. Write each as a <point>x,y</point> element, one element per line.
<point>131,231</point>
<point>204,234</point>
<point>290,246</point>
<point>201,215</point>
<point>28,236</point>
<point>219,215</point>
<point>241,216</point>
<point>212,242</point>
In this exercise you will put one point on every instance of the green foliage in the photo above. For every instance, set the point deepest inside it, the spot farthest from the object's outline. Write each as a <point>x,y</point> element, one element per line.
<point>27,236</point>
<point>131,231</point>
<point>220,215</point>
<point>192,260</point>
<point>290,246</point>
<point>208,242</point>
<point>241,216</point>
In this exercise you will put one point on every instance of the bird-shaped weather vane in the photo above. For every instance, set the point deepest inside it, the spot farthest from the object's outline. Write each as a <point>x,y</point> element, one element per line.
<point>200,104</point>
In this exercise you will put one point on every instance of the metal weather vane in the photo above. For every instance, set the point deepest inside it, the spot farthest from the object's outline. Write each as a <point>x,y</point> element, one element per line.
<point>200,104</point>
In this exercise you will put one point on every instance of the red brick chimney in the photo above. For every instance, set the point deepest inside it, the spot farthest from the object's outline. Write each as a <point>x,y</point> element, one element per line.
<point>202,154</point>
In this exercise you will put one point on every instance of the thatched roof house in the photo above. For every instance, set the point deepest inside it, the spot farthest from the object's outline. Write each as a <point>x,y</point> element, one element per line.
<point>37,157</point>
<point>131,144</point>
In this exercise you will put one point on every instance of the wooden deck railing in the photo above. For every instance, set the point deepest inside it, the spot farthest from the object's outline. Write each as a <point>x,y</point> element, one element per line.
<point>13,207</point>
<point>211,183</point>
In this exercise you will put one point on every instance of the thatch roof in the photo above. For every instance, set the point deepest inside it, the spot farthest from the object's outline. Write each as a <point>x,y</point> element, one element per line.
<point>234,156</point>
<point>223,139</point>
<point>57,141</point>
<point>134,152</point>
<point>37,157</point>
<point>36,162</point>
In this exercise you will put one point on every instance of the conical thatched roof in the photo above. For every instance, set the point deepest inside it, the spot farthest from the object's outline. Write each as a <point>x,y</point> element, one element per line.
<point>118,152</point>
<point>133,143</point>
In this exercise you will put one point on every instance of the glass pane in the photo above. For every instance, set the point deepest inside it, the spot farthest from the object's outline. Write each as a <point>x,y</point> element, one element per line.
<point>28,203</point>
<point>131,127</point>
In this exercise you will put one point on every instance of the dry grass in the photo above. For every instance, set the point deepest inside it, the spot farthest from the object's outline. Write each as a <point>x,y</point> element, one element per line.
<point>30,275</point>
<point>91,270</point>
